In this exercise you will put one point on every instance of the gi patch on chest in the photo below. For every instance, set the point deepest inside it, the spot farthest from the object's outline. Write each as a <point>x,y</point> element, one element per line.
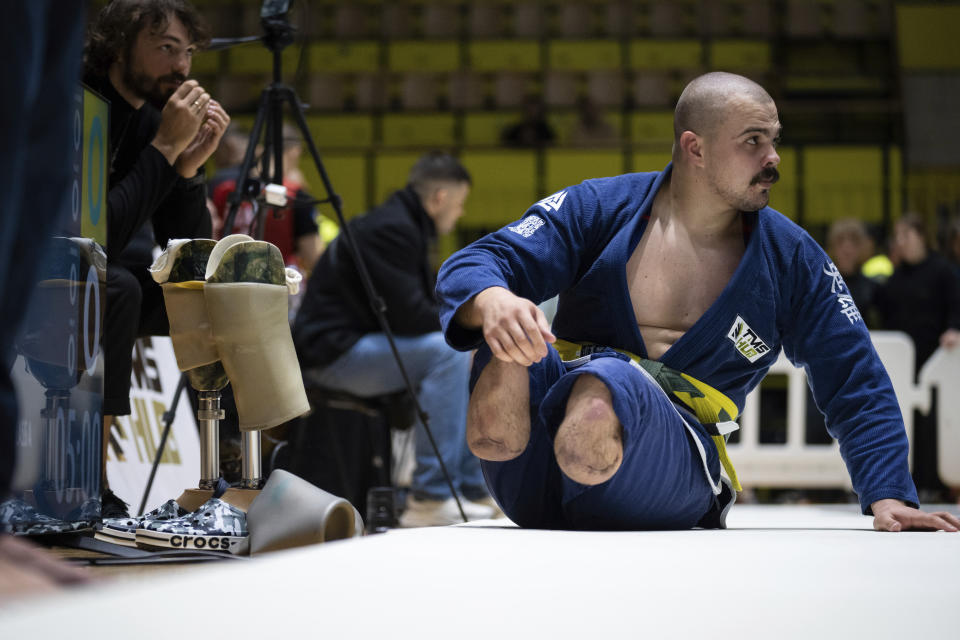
<point>747,342</point>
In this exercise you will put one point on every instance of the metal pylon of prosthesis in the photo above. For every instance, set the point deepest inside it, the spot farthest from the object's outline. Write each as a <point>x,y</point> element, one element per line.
<point>251,471</point>
<point>209,415</point>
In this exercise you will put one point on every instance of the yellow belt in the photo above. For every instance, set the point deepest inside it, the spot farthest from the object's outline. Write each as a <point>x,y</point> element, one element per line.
<point>711,407</point>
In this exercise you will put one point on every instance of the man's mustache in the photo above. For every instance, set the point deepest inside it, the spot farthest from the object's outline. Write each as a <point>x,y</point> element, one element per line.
<point>770,174</point>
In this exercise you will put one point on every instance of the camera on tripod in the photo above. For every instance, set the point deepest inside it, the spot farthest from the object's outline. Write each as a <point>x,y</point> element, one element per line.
<point>273,17</point>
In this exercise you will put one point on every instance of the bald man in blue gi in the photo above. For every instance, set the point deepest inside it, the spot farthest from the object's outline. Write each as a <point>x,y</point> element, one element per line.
<point>677,290</point>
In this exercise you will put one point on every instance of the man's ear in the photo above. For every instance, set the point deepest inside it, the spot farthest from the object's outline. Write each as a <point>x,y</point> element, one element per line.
<point>691,147</point>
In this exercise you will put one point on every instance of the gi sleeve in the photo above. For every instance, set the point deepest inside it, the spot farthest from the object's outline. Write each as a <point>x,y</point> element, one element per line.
<point>536,257</point>
<point>824,333</point>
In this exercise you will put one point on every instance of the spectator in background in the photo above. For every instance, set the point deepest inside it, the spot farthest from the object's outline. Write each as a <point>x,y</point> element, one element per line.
<point>878,265</point>
<point>591,129</point>
<point>922,299</point>
<point>341,345</point>
<point>292,229</point>
<point>533,130</point>
<point>849,245</point>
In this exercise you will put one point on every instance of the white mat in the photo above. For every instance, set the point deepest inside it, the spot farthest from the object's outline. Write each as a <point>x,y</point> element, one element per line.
<point>779,572</point>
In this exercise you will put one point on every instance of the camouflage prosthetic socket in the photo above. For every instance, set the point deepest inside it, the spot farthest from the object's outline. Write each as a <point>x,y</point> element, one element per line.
<point>246,293</point>
<point>180,271</point>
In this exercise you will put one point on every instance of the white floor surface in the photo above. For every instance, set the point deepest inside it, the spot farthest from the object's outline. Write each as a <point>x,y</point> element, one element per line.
<point>778,572</point>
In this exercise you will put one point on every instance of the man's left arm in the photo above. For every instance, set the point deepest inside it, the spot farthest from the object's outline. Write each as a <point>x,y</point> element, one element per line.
<point>825,334</point>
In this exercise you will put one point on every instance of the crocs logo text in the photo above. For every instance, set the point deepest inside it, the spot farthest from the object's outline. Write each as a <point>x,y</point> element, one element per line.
<point>200,542</point>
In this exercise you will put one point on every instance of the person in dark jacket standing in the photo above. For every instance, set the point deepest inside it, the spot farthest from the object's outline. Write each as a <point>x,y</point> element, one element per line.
<point>341,346</point>
<point>922,299</point>
<point>163,128</point>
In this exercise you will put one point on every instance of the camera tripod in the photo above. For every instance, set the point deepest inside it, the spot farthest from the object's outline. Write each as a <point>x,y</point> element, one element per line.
<point>268,124</point>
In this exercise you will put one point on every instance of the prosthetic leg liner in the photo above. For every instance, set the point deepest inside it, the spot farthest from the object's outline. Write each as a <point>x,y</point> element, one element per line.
<point>246,296</point>
<point>180,270</point>
<point>291,512</point>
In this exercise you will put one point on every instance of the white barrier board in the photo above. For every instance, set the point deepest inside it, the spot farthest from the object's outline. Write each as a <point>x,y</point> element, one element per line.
<point>135,438</point>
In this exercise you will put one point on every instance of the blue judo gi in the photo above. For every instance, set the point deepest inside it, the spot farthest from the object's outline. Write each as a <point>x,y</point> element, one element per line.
<point>785,293</point>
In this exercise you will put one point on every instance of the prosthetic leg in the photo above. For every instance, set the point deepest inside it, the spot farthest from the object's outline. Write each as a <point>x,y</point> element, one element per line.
<point>246,295</point>
<point>235,318</point>
<point>180,272</point>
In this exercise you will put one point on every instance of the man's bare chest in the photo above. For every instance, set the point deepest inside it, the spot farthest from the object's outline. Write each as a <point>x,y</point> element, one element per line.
<point>672,282</point>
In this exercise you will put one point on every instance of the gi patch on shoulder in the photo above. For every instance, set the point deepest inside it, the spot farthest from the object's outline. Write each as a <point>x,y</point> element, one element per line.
<point>553,202</point>
<point>527,226</point>
<point>747,342</point>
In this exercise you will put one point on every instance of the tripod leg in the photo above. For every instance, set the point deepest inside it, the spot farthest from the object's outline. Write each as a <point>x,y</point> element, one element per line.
<point>167,423</point>
<point>376,302</point>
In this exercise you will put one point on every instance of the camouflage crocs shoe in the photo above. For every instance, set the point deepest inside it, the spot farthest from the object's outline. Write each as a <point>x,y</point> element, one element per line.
<point>21,519</point>
<point>124,530</point>
<point>215,526</point>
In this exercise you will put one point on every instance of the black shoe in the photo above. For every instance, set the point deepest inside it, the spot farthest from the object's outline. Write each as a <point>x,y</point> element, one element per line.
<point>112,507</point>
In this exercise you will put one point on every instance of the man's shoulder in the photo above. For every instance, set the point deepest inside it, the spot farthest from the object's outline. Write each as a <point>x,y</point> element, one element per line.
<point>613,193</point>
<point>780,229</point>
<point>624,185</point>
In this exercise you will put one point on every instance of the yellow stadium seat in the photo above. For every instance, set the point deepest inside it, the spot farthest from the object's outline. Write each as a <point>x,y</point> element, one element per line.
<point>666,54</point>
<point>418,130</point>
<point>566,167</point>
<point>504,186</point>
<point>257,59</point>
<point>564,122</point>
<point>927,36</point>
<point>895,181</point>
<point>344,57</point>
<point>390,173</point>
<point>504,55</point>
<point>349,131</point>
<point>583,55</point>
<point>418,55</point>
<point>348,175</point>
<point>842,182</point>
<point>484,128</point>
<point>643,161</point>
<point>783,195</point>
<point>652,128</point>
<point>740,55</point>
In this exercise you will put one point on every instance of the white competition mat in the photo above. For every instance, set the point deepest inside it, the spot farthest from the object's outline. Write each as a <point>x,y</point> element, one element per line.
<point>778,572</point>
